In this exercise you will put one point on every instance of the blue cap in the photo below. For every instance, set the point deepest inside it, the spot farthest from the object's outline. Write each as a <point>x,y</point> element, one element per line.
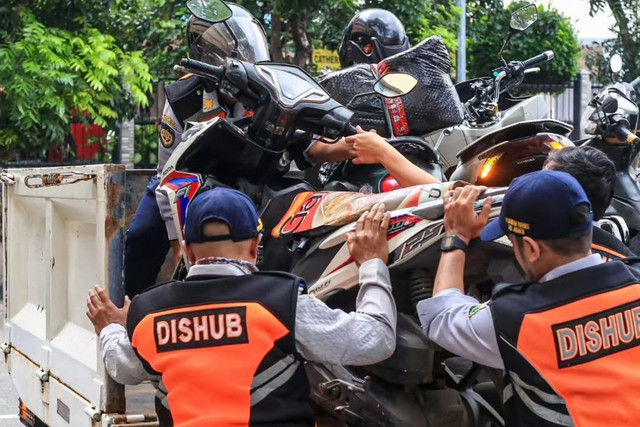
<point>540,205</point>
<point>225,205</point>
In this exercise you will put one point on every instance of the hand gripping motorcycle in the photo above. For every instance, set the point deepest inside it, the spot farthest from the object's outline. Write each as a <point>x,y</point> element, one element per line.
<point>409,388</point>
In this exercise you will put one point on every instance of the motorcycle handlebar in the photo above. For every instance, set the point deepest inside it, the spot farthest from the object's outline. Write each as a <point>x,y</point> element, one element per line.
<point>538,59</point>
<point>622,133</point>
<point>635,83</point>
<point>349,130</point>
<point>202,68</point>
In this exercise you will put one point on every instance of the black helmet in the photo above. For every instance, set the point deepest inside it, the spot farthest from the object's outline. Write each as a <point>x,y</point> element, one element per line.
<point>212,43</point>
<point>371,36</point>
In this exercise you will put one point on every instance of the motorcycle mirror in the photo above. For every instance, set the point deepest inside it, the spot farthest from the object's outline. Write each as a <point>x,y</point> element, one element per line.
<point>523,18</point>
<point>393,85</point>
<point>210,10</point>
<point>615,63</point>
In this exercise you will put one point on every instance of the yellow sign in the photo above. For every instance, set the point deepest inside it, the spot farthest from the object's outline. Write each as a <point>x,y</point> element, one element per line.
<point>326,58</point>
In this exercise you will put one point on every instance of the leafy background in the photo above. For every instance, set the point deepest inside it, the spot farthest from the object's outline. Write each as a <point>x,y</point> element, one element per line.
<point>99,61</point>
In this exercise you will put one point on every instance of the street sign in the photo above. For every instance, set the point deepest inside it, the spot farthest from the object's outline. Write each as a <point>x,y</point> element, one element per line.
<point>326,58</point>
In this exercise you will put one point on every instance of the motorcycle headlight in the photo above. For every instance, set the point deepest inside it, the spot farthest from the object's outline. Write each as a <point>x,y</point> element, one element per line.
<point>590,127</point>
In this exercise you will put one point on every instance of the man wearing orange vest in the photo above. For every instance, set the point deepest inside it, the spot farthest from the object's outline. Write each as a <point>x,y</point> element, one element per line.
<point>568,339</point>
<point>229,342</point>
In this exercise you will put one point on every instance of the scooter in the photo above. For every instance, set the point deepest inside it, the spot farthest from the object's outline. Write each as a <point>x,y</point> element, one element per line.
<point>252,154</point>
<point>612,120</point>
<point>409,388</point>
<point>489,106</point>
<point>505,151</point>
<point>433,104</point>
<point>490,148</point>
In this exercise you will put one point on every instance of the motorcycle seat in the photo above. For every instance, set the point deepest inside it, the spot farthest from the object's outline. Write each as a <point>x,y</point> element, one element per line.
<point>312,210</point>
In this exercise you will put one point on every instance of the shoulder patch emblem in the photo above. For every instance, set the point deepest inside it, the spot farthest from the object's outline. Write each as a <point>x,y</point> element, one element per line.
<point>478,308</point>
<point>167,135</point>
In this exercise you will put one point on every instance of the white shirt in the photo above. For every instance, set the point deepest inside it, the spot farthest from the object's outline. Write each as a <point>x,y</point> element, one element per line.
<point>322,334</point>
<point>459,324</point>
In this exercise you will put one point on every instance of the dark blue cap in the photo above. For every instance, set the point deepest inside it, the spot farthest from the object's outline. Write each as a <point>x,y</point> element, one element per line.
<point>225,205</point>
<point>540,205</point>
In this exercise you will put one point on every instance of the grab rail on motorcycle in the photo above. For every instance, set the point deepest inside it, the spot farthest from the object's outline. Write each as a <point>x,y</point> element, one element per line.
<point>435,210</point>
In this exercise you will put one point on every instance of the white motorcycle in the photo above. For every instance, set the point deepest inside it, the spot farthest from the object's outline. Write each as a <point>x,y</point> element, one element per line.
<point>485,110</point>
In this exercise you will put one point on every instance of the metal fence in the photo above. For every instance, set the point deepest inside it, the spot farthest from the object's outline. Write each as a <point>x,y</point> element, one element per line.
<point>566,101</point>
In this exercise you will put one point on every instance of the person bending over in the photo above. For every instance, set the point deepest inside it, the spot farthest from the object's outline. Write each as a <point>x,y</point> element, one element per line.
<point>229,342</point>
<point>567,338</point>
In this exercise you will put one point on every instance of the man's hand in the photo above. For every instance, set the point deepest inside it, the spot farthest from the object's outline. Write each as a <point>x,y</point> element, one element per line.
<point>102,312</point>
<point>369,241</point>
<point>177,252</point>
<point>459,216</point>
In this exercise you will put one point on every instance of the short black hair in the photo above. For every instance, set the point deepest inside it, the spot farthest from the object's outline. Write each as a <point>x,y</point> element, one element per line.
<point>576,244</point>
<point>592,169</point>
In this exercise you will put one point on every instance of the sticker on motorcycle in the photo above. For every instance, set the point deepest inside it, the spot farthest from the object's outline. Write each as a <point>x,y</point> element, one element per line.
<point>300,215</point>
<point>184,186</point>
<point>401,223</point>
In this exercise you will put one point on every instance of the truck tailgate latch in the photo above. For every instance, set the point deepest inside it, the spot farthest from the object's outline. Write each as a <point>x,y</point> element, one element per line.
<point>53,179</point>
<point>42,375</point>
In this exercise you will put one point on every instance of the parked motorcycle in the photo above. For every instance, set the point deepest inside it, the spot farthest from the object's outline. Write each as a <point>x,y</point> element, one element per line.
<point>494,148</point>
<point>489,105</point>
<point>253,154</point>
<point>490,147</point>
<point>612,120</point>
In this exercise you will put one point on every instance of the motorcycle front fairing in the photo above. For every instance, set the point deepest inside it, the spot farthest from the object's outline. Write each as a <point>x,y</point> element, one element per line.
<point>295,101</point>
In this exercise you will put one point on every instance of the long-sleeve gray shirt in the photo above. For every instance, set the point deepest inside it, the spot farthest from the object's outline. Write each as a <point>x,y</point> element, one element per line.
<point>463,326</point>
<point>362,337</point>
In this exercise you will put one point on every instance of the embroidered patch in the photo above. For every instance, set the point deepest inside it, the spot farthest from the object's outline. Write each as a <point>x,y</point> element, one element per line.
<point>207,104</point>
<point>478,308</point>
<point>168,120</point>
<point>167,135</point>
<point>208,101</point>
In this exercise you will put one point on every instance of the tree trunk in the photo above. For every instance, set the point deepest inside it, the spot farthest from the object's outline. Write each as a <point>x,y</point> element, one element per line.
<point>276,38</point>
<point>625,35</point>
<point>299,24</point>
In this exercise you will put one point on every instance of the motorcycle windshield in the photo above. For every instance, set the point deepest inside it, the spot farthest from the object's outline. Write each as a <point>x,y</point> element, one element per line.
<point>626,107</point>
<point>292,84</point>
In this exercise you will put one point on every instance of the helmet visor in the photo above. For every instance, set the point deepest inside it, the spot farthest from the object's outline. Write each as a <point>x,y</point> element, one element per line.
<point>218,41</point>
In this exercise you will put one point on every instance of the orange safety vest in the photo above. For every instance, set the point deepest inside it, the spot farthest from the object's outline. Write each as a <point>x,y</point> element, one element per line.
<point>571,347</point>
<point>225,348</point>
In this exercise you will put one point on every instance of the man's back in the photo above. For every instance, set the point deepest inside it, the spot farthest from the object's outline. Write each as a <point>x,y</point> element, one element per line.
<point>570,346</point>
<point>231,339</point>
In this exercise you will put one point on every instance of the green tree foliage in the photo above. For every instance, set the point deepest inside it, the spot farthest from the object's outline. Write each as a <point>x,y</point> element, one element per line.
<point>55,67</point>
<point>488,26</point>
<point>298,23</point>
<point>627,40</point>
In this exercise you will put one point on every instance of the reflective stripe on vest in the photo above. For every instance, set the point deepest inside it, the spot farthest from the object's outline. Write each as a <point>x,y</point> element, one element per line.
<point>588,351</point>
<point>273,377</point>
<point>215,349</point>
